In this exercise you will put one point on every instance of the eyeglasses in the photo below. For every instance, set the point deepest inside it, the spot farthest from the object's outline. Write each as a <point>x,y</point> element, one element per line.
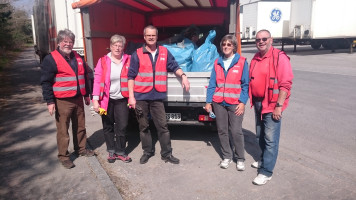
<point>117,46</point>
<point>263,39</point>
<point>226,44</point>
<point>150,35</point>
<point>67,42</point>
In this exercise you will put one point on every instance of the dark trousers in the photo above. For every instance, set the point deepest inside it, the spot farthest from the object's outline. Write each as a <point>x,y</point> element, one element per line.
<point>158,114</point>
<point>70,109</point>
<point>227,122</point>
<point>115,125</point>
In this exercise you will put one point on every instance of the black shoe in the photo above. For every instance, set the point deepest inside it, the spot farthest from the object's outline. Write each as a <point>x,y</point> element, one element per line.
<point>171,159</point>
<point>144,158</point>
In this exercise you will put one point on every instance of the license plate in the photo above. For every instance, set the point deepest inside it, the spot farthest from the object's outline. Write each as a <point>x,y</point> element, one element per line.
<point>173,117</point>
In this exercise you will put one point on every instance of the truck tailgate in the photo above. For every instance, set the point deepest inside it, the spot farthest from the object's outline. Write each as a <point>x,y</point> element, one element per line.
<point>199,82</point>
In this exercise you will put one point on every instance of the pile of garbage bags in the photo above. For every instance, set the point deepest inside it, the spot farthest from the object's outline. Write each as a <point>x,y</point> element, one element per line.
<point>193,59</point>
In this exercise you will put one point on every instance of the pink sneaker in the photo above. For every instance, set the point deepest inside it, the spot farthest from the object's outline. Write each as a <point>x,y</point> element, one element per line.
<point>124,158</point>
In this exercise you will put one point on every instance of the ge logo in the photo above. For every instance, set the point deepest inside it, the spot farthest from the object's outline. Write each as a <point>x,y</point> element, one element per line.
<point>276,15</point>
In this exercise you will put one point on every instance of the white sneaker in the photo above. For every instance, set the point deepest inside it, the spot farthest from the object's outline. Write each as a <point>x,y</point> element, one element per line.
<point>256,164</point>
<point>225,163</point>
<point>240,166</point>
<point>261,179</point>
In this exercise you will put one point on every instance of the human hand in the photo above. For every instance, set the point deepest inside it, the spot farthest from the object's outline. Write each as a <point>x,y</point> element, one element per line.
<point>51,108</point>
<point>277,113</point>
<point>185,83</point>
<point>87,101</point>
<point>208,107</point>
<point>96,105</point>
<point>240,109</point>
<point>132,102</point>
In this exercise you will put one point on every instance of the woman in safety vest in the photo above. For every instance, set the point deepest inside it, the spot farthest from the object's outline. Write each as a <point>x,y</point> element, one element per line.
<point>227,95</point>
<point>110,93</point>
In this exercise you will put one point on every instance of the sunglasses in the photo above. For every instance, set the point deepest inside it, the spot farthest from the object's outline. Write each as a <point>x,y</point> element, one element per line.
<point>263,39</point>
<point>226,44</point>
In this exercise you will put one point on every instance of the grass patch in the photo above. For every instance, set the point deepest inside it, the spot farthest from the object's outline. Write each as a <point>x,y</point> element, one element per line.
<point>3,62</point>
<point>7,57</point>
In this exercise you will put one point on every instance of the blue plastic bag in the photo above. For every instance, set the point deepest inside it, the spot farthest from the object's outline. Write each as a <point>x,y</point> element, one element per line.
<point>183,53</point>
<point>205,55</point>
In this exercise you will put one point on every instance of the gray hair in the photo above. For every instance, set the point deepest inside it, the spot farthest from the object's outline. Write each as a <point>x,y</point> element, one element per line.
<point>150,27</point>
<point>264,30</point>
<point>117,38</point>
<point>230,38</point>
<point>63,34</point>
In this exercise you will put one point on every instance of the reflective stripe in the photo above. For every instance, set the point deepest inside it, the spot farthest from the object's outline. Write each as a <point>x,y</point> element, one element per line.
<point>275,91</point>
<point>161,82</point>
<point>145,74</point>
<point>161,73</point>
<point>59,89</point>
<point>82,86</point>
<point>123,79</point>
<point>143,83</point>
<point>81,77</point>
<point>124,89</point>
<point>219,94</point>
<point>220,84</point>
<point>62,79</point>
<point>102,84</point>
<point>232,95</point>
<point>232,85</point>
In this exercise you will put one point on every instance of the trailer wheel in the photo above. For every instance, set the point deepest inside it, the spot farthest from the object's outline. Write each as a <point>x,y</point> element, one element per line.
<point>315,45</point>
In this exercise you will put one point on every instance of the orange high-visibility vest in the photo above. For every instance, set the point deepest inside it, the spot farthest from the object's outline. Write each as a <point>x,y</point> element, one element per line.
<point>123,77</point>
<point>229,88</point>
<point>66,82</point>
<point>144,78</point>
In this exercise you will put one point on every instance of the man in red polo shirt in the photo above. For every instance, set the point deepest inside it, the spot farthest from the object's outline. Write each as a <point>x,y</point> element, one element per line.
<point>269,90</point>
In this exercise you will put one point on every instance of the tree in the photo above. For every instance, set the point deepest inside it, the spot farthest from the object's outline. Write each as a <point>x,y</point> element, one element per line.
<point>5,25</point>
<point>15,27</point>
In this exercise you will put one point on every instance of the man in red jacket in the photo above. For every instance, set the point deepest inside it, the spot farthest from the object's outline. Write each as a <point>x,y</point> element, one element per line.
<point>269,90</point>
<point>64,82</point>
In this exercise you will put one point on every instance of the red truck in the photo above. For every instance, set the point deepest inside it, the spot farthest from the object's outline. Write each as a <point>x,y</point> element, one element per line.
<point>103,18</point>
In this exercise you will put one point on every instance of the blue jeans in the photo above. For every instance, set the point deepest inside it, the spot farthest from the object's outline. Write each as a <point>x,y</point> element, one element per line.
<point>267,135</point>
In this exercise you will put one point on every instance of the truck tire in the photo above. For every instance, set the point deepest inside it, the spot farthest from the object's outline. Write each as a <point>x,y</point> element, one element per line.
<point>315,45</point>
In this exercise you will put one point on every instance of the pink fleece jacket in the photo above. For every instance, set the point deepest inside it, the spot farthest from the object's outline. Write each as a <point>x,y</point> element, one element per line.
<point>97,78</point>
<point>284,77</point>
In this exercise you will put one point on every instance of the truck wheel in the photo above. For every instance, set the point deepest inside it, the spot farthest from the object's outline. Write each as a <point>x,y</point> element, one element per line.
<point>326,45</point>
<point>315,45</point>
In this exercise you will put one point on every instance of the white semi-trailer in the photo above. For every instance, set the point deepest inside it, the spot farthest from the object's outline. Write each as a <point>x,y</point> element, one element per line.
<point>271,15</point>
<point>50,16</point>
<point>327,23</point>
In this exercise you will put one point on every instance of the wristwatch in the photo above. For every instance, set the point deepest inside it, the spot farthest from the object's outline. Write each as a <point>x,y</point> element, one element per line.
<point>182,75</point>
<point>278,105</point>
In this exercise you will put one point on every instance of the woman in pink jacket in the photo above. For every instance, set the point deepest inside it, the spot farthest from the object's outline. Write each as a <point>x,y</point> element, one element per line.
<point>110,95</point>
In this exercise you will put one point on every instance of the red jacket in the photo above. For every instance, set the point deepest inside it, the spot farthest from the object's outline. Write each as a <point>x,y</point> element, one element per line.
<point>228,88</point>
<point>66,83</point>
<point>144,79</point>
<point>279,78</point>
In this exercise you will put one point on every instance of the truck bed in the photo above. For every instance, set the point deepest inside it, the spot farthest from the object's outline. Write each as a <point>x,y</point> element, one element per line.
<point>199,82</point>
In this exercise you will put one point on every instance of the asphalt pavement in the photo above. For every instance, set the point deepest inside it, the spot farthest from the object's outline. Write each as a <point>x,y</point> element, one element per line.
<point>316,158</point>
